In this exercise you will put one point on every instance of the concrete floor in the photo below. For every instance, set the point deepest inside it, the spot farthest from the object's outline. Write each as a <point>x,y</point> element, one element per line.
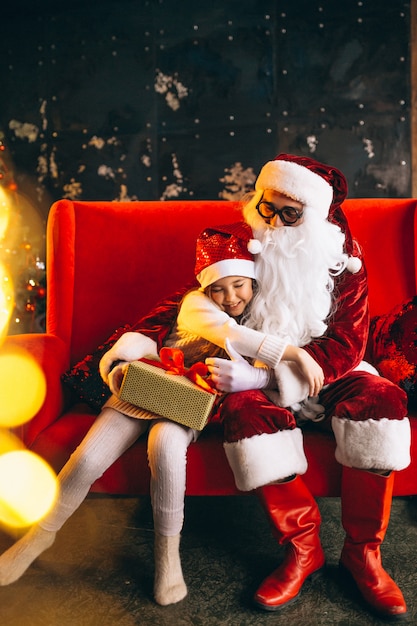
<point>99,572</point>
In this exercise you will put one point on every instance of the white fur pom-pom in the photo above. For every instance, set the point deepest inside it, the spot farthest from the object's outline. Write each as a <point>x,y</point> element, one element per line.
<point>254,246</point>
<point>354,264</point>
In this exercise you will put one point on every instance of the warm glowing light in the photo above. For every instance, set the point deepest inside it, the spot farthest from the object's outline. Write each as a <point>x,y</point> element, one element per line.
<point>28,488</point>
<point>28,485</point>
<point>22,387</point>
<point>9,442</point>
<point>6,301</point>
<point>4,213</point>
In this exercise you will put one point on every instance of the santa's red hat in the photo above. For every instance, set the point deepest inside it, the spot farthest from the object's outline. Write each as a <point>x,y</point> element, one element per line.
<point>316,185</point>
<point>225,251</point>
<point>299,178</point>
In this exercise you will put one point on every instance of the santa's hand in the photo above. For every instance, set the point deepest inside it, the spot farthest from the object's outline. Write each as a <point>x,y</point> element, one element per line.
<point>116,377</point>
<point>236,374</point>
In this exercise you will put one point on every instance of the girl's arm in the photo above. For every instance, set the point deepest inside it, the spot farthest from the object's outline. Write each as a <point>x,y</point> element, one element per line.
<point>311,371</point>
<point>200,316</point>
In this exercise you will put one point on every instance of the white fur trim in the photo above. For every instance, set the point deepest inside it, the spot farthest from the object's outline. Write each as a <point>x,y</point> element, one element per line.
<point>354,264</point>
<point>364,366</point>
<point>266,458</point>
<point>297,182</point>
<point>227,267</point>
<point>291,384</point>
<point>255,246</point>
<point>373,444</point>
<point>130,346</point>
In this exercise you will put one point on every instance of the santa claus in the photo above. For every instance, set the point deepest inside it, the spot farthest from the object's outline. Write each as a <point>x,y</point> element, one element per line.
<point>311,302</point>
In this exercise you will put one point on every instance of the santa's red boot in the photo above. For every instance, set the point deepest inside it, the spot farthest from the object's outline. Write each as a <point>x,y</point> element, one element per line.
<point>366,507</point>
<point>295,519</point>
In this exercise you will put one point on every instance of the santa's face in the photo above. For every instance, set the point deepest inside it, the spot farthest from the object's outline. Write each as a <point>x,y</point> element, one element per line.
<point>277,209</point>
<point>295,268</point>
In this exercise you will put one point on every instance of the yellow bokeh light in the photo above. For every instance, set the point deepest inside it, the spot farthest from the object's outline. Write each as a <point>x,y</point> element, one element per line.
<point>28,485</point>
<point>28,488</point>
<point>6,301</point>
<point>4,213</point>
<point>22,387</point>
<point>9,442</point>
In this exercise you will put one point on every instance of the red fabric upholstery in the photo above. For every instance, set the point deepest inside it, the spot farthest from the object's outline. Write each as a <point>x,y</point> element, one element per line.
<point>108,263</point>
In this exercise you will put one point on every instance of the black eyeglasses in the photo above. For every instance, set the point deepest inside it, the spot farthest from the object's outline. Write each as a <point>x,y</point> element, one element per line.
<point>288,215</point>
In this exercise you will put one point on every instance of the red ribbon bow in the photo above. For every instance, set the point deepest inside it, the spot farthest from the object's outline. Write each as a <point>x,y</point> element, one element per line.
<point>172,360</point>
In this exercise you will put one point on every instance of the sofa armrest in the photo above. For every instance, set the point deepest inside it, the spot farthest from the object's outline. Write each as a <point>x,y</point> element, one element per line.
<point>51,353</point>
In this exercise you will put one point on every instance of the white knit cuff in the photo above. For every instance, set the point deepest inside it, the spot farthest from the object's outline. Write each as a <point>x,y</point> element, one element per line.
<point>271,350</point>
<point>263,459</point>
<point>382,444</point>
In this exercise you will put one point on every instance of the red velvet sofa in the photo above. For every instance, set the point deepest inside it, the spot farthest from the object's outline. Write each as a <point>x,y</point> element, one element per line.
<point>108,263</point>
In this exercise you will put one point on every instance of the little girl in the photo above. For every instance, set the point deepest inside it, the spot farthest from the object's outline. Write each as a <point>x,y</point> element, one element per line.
<point>225,270</point>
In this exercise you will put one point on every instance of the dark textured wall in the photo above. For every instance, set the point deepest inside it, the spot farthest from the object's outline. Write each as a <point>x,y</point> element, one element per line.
<point>151,99</point>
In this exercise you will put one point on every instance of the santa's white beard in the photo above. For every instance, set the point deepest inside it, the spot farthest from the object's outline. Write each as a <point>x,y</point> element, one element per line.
<point>295,278</point>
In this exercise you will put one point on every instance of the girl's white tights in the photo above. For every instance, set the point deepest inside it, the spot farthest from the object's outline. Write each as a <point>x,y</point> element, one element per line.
<point>167,457</point>
<point>111,434</point>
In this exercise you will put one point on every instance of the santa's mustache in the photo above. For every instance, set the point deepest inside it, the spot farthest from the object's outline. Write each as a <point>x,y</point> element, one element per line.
<point>288,241</point>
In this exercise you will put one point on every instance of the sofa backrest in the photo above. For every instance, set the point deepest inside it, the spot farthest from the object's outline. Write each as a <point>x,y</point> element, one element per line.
<point>385,229</point>
<point>108,263</point>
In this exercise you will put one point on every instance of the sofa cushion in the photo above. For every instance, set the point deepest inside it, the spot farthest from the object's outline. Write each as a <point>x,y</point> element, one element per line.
<point>394,347</point>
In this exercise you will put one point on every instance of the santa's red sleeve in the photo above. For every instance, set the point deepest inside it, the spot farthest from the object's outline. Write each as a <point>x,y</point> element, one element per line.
<point>343,345</point>
<point>145,337</point>
<point>158,322</point>
<point>340,349</point>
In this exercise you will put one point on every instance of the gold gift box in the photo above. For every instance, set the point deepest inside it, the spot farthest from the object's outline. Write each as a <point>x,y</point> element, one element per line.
<point>166,394</point>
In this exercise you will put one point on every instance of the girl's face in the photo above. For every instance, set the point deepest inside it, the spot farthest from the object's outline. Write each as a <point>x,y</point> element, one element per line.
<point>232,294</point>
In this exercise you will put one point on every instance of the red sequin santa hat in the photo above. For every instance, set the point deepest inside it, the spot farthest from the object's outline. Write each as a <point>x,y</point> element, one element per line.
<point>225,251</point>
<point>316,185</point>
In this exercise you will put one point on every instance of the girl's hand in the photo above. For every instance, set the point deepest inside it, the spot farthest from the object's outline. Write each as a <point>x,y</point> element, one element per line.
<point>308,367</point>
